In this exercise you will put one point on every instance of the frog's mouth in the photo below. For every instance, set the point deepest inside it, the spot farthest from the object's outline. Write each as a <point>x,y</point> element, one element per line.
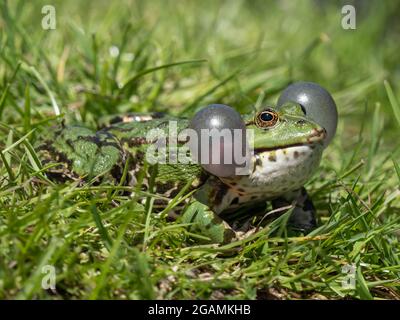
<point>316,137</point>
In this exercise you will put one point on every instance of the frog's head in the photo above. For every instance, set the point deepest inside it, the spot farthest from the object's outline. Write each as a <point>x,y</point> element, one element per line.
<point>287,140</point>
<point>280,129</point>
<point>287,146</point>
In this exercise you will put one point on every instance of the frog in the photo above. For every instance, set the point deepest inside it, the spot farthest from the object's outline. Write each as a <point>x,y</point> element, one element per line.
<point>288,147</point>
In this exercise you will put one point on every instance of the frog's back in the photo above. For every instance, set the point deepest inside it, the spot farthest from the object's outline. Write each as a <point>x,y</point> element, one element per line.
<point>79,153</point>
<point>136,137</point>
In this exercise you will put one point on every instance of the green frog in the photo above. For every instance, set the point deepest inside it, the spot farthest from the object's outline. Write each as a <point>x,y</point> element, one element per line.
<point>287,150</point>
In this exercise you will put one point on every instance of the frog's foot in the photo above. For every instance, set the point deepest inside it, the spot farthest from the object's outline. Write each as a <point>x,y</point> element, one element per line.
<point>208,223</point>
<point>303,215</point>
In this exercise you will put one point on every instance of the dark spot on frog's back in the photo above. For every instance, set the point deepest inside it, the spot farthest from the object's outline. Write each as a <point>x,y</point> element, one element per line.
<point>164,187</point>
<point>135,141</point>
<point>60,173</point>
<point>116,173</point>
<point>158,115</point>
<point>70,143</point>
<point>58,130</point>
<point>296,154</point>
<point>101,140</point>
<point>136,159</point>
<point>48,147</point>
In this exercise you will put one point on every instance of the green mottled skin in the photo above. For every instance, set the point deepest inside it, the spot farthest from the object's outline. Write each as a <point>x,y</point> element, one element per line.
<point>286,155</point>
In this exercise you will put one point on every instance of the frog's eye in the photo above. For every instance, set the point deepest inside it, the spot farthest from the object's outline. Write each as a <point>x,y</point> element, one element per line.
<point>266,118</point>
<point>316,102</point>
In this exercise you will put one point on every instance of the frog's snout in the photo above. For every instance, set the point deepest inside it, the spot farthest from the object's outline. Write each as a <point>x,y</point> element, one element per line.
<point>317,135</point>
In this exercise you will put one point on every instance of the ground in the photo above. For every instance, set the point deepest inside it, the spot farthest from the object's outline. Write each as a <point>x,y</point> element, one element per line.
<point>106,58</point>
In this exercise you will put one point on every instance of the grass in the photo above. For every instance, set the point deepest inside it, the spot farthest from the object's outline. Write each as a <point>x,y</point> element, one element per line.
<point>108,58</point>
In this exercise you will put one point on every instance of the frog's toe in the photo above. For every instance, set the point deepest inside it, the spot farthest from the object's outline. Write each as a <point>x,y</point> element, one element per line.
<point>303,218</point>
<point>302,229</point>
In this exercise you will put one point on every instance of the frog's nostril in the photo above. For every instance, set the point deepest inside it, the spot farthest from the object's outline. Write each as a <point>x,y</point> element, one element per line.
<point>301,122</point>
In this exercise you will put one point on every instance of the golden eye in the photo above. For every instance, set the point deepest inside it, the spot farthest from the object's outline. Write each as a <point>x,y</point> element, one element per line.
<point>266,118</point>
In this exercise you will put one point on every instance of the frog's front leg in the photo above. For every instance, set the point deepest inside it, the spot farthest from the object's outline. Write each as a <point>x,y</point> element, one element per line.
<point>208,223</point>
<point>303,217</point>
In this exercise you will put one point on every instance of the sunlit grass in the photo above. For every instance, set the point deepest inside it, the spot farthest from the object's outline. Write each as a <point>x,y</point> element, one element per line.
<point>114,58</point>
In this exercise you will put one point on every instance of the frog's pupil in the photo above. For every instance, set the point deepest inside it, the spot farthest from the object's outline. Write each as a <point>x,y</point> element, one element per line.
<point>266,116</point>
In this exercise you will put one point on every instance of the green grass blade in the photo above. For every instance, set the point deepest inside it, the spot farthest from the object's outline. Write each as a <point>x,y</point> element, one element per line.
<point>362,286</point>
<point>27,110</point>
<point>53,101</point>
<point>110,259</point>
<point>208,92</point>
<point>100,226</point>
<point>11,176</point>
<point>397,168</point>
<point>393,101</point>
<point>7,88</point>
<point>16,143</point>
